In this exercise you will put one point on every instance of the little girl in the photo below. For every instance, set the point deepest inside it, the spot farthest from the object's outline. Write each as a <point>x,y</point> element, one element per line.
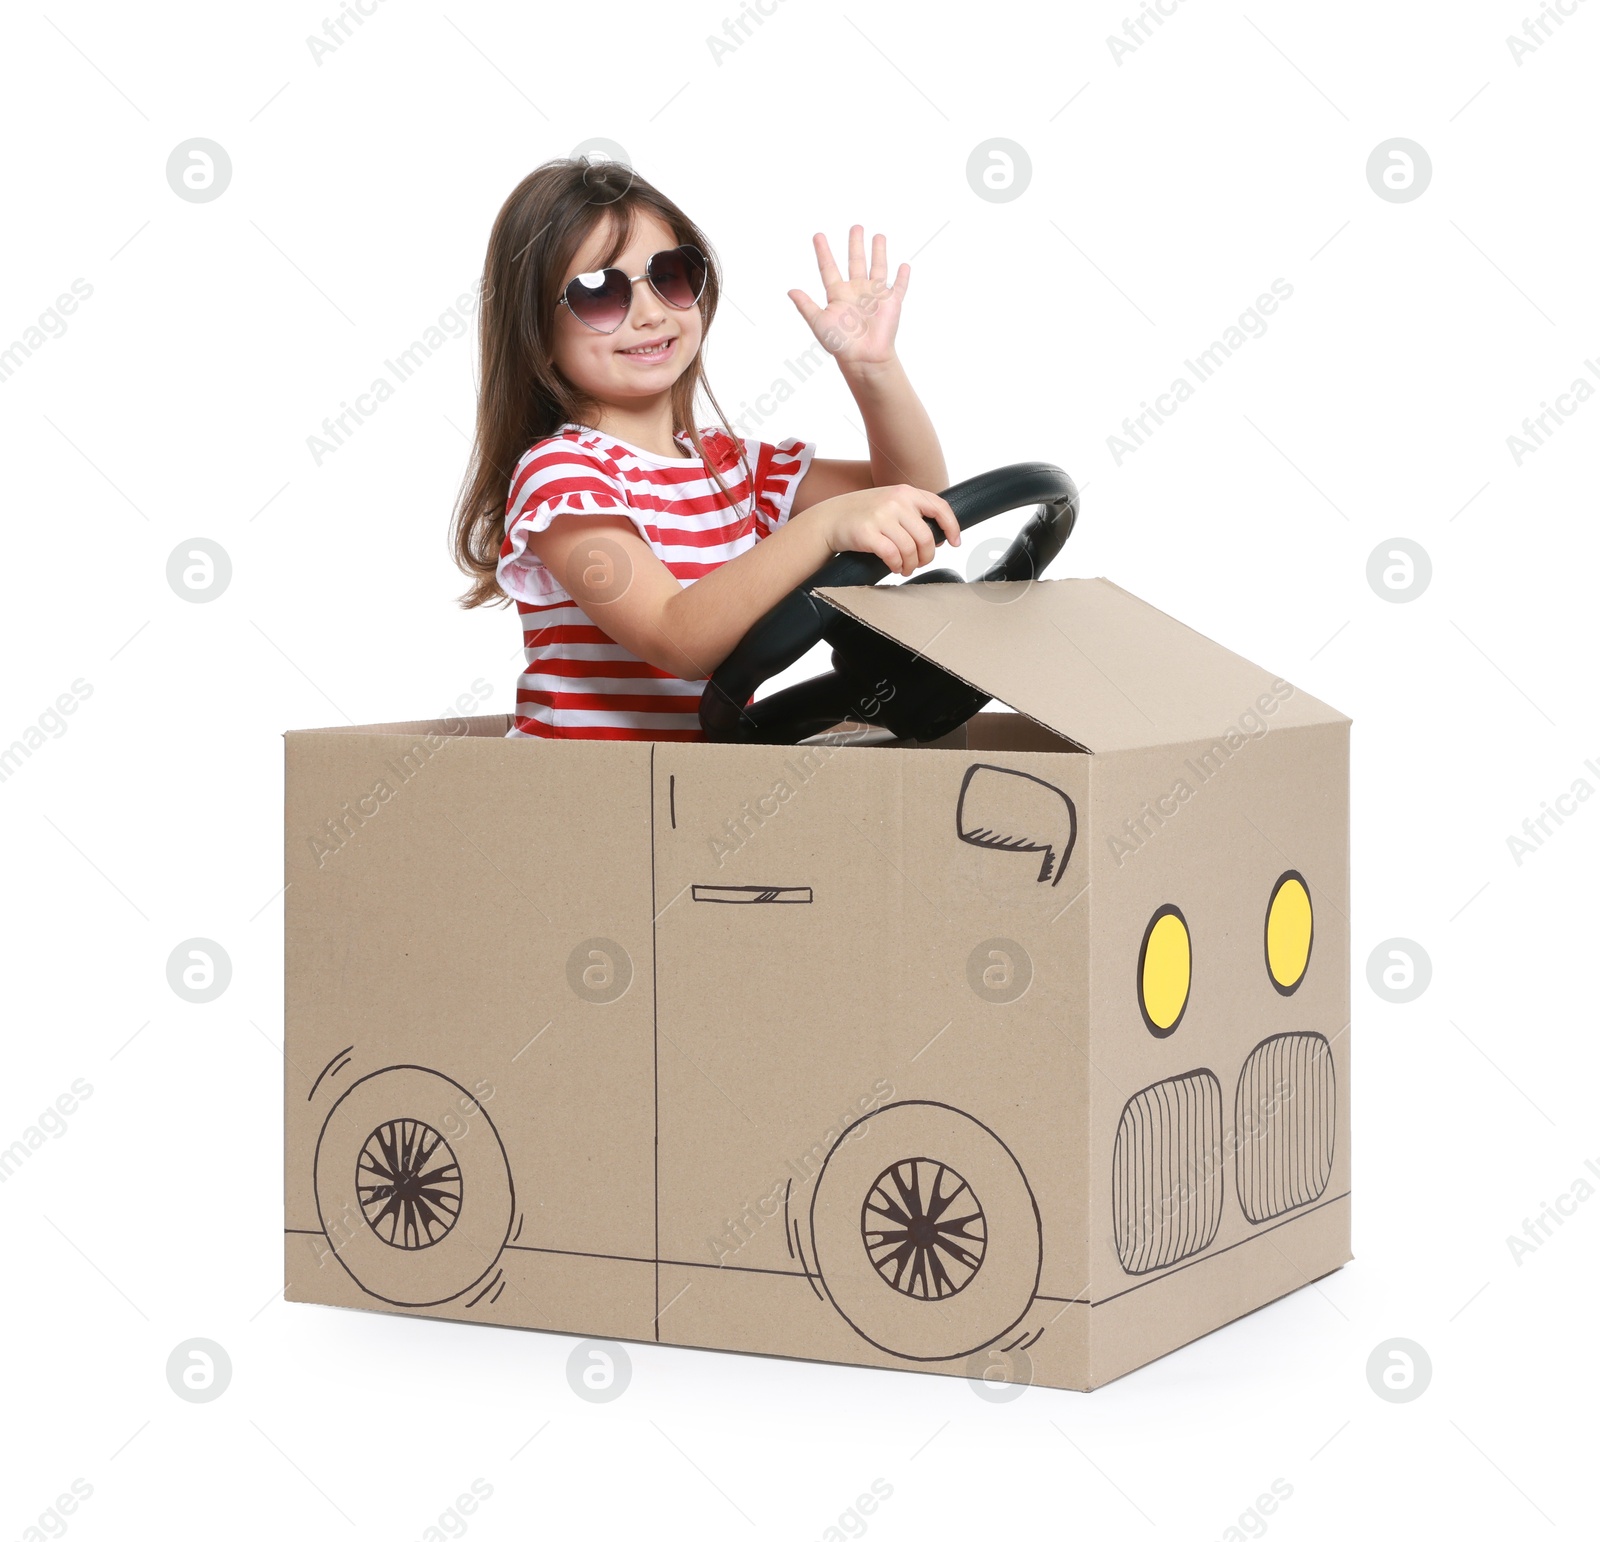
<point>639,548</point>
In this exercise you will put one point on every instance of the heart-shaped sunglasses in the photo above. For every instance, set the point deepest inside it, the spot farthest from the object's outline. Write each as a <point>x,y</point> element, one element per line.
<point>601,300</point>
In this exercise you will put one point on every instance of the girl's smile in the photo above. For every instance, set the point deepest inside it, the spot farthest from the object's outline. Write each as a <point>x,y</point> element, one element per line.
<point>656,352</point>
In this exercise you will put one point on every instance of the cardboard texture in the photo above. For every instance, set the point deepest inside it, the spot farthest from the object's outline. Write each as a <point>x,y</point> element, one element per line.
<point>1027,1046</point>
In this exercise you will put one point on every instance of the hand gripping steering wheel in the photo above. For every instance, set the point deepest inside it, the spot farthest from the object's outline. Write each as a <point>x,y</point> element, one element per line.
<point>875,679</point>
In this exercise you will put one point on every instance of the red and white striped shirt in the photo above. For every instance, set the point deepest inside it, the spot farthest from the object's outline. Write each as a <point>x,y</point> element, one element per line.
<point>577,683</point>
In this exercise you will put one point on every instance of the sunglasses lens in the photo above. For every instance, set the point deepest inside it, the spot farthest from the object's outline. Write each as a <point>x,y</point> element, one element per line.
<point>600,300</point>
<point>678,276</point>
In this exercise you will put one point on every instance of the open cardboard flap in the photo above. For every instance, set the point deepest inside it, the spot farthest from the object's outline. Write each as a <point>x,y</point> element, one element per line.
<point>1079,656</point>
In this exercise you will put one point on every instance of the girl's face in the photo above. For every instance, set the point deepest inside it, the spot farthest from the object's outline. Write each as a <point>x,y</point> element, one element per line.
<point>655,343</point>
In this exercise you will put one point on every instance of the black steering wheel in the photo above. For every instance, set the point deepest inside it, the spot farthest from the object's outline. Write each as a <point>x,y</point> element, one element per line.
<point>874,679</point>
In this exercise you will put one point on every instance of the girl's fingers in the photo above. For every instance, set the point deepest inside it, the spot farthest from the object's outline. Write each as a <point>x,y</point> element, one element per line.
<point>934,507</point>
<point>886,552</point>
<point>808,308</point>
<point>880,259</point>
<point>856,261</point>
<point>908,549</point>
<point>922,537</point>
<point>826,266</point>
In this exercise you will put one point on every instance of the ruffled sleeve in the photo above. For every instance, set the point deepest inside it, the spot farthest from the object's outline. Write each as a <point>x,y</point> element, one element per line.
<point>779,468</point>
<point>555,477</point>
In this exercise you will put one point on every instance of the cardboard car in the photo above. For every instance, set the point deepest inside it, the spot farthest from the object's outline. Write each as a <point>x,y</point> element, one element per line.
<point>1024,1048</point>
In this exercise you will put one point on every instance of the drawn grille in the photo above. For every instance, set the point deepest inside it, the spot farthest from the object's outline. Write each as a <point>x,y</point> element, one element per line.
<point>1166,1200</point>
<point>1284,1118</point>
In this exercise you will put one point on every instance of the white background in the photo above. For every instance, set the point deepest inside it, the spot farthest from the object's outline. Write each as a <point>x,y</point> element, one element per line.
<point>1167,191</point>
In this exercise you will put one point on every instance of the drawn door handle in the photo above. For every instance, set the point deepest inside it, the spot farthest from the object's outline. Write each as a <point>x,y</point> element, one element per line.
<point>751,894</point>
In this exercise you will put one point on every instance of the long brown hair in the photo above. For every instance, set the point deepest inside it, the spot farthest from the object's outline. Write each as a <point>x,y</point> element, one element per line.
<point>522,396</point>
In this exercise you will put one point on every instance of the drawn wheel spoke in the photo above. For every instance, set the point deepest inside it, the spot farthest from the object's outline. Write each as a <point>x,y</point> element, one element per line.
<point>408,1184</point>
<point>923,1229</point>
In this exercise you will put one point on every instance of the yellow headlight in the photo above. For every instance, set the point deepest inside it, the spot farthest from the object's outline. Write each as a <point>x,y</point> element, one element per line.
<point>1288,932</point>
<point>1164,970</point>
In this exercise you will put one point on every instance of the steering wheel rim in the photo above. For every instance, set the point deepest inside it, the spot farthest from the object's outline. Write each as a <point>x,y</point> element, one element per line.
<point>800,620</point>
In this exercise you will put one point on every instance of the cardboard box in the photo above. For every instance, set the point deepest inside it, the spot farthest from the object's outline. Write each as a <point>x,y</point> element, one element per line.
<point>1008,1053</point>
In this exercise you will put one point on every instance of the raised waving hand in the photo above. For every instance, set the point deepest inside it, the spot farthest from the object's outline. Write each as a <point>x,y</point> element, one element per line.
<point>857,325</point>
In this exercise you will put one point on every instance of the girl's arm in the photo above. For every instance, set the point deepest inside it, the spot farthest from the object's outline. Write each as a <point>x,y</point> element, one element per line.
<point>631,595</point>
<point>857,326</point>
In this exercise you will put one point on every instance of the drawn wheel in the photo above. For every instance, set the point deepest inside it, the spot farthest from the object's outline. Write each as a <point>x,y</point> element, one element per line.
<point>415,1218</point>
<point>923,1229</point>
<point>409,1184</point>
<point>924,1232</point>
